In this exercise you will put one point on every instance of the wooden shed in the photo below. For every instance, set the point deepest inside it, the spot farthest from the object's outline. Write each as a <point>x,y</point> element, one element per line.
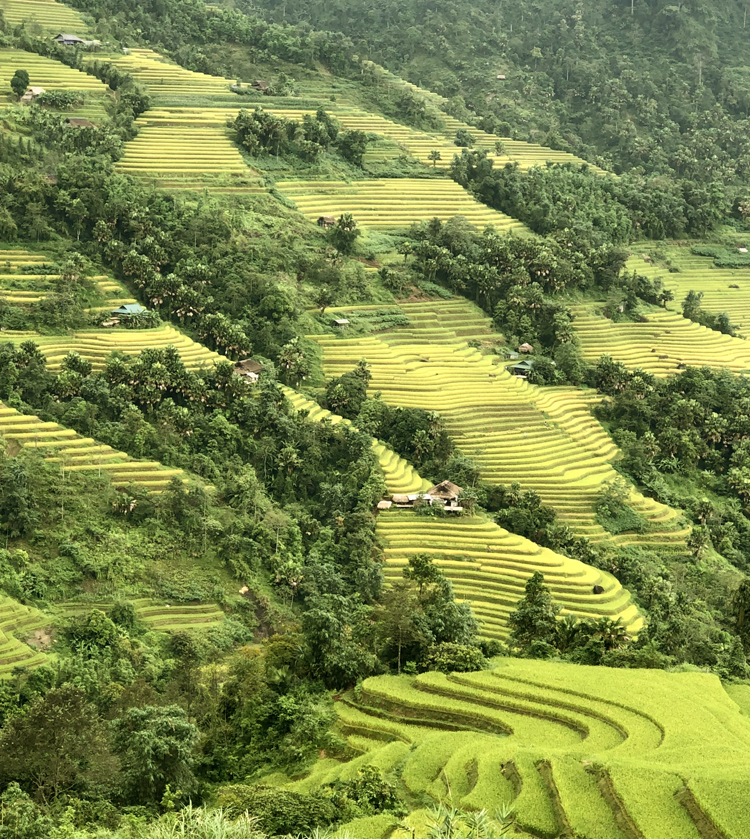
<point>444,491</point>
<point>526,348</point>
<point>326,221</point>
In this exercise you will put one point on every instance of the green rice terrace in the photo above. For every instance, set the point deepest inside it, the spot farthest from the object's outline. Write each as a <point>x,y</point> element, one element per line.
<point>75,453</point>
<point>487,565</point>
<point>157,616</point>
<point>24,280</point>
<point>544,438</point>
<point>724,289</point>
<point>52,76</point>
<point>393,204</point>
<point>663,343</point>
<point>576,751</point>
<point>97,344</point>
<point>52,16</point>
<point>19,620</point>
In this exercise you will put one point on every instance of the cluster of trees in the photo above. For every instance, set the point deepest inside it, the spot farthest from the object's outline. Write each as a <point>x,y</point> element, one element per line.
<point>569,198</point>
<point>643,86</point>
<point>260,132</point>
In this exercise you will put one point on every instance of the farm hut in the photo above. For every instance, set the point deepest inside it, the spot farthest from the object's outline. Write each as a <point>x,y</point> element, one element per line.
<point>79,122</point>
<point>523,368</point>
<point>32,94</point>
<point>526,348</point>
<point>326,221</point>
<point>128,310</point>
<point>500,77</point>
<point>341,323</point>
<point>68,40</point>
<point>249,369</point>
<point>402,501</point>
<point>512,356</point>
<point>385,505</point>
<point>445,491</point>
<point>259,84</point>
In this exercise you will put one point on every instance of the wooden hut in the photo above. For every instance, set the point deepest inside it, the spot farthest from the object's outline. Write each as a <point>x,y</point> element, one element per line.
<point>526,348</point>
<point>326,221</point>
<point>249,369</point>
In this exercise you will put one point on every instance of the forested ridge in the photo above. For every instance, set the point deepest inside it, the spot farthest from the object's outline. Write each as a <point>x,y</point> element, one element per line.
<point>269,272</point>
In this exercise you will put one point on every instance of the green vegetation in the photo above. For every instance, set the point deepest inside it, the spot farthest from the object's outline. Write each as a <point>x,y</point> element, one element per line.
<point>258,295</point>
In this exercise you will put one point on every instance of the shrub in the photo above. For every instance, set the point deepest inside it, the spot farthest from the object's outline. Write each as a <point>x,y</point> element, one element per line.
<point>449,658</point>
<point>278,811</point>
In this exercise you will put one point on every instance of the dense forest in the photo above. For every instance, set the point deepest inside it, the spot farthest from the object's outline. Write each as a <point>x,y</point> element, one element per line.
<point>266,529</point>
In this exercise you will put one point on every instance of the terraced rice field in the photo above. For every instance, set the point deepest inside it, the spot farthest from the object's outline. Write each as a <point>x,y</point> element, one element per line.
<point>50,15</point>
<point>489,568</point>
<point>156,615</point>
<point>487,565</point>
<point>165,78</point>
<point>97,345</point>
<point>18,620</point>
<point>594,753</point>
<point>698,273</point>
<point>75,453</point>
<point>393,204</point>
<point>662,345</point>
<point>544,438</point>
<point>19,286</point>
<point>52,75</point>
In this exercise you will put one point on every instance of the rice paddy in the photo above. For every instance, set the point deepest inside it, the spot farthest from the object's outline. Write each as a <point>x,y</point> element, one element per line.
<point>53,75</point>
<point>487,565</point>
<point>96,345</point>
<point>48,14</point>
<point>724,289</point>
<point>24,280</point>
<point>543,438</point>
<point>595,753</point>
<point>393,203</point>
<point>18,620</point>
<point>75,453</point>
<point>663,344</point>
<point>157,615</point>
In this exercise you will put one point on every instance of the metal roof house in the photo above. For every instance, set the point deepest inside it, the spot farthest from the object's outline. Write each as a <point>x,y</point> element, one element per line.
<point>129,309</point>
<point>522,368</point>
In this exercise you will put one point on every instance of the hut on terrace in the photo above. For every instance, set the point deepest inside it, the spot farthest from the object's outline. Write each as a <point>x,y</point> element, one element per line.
<point>249,369</point>
<point>526,348</point>
<point>326,221</point>
<point>128,310</point>
<point>32,94</point>
<point>260,85</point>
<point>79,122</point>
<point>522,368</point>
<point>445,491</point>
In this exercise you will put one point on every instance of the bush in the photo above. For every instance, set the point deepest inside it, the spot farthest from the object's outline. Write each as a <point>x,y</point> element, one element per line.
<point>449,658</point>
<point>278,811</point>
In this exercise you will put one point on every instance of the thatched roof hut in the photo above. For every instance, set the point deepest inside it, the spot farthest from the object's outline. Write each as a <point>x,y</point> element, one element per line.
<point>445,491</point>
<point>526,348</point>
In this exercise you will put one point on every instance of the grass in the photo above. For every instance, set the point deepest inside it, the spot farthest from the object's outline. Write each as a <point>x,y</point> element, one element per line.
<point>689,781</point>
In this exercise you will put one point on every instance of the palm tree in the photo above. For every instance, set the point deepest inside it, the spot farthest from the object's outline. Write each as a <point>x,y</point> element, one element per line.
<point>434,156</point>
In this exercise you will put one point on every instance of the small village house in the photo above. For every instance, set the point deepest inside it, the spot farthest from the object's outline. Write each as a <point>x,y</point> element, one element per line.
<point>32,94</point>
<point>249,369</point>
<point>526,348</point>
<point>341,323</point>
<point>79,122</point>
<point>68,40</point>
<point>128,310</point>
<point>326,221</point>
<point>522,368</point>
